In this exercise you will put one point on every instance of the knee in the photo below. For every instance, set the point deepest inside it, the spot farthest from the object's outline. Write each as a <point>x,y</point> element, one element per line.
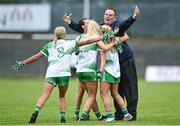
<point>92,96</point>
<point>114,94</point>
<point>61,95</point>
<point>103,94</point>
<point>80,91</point>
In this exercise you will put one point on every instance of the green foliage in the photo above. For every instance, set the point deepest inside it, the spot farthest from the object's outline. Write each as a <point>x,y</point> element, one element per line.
<point>159,103</point>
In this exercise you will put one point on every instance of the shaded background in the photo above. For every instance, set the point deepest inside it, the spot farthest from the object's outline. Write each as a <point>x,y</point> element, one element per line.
<point>154,37</point>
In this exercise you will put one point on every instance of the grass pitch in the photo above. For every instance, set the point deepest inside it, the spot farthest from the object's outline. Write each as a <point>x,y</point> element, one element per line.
<point>159,104</point>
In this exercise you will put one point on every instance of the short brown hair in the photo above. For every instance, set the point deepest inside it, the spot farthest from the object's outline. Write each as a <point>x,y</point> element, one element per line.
<point>81,21</point>
<point>110,8</point>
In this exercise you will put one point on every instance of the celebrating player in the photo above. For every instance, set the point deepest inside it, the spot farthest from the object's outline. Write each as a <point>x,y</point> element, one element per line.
<point>111,75</point>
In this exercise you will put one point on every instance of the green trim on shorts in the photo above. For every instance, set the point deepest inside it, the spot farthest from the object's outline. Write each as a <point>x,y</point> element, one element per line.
<point>58,81</point>
<point>106,77</point>
<point>86,76</point>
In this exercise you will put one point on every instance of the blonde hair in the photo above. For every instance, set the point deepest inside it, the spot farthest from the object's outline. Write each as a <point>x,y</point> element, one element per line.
<point>93,28</point>
<point>106,29</point>
<point>59,33</point>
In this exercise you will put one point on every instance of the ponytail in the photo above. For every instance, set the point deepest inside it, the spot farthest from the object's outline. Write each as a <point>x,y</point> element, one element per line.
<point>55,41</point>
<point>59,33</point>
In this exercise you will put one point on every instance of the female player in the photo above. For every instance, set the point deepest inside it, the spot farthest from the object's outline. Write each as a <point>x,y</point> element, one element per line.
<point>81,86</point>
<point>111,76</point>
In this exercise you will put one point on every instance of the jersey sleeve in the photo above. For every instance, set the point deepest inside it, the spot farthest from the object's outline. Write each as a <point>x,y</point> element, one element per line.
<point>76,44</point>
<point>119,40</point>
<point>78,38</point>
<point>44,50</point>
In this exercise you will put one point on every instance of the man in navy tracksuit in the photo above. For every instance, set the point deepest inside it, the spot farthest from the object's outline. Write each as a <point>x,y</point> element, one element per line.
<point>128,83</point>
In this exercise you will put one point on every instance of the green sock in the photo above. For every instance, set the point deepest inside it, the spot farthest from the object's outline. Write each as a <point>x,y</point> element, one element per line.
<point>109,114</point>
<point>77,111</point>
<point>124,111</point>
<point>84,115</point>
<point>37,109</point>
<point>98,114</point>
<point>62,115</point>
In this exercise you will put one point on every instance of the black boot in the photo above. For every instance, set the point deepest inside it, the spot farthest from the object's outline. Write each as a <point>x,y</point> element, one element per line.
<point>63,121</point>
<point>33,117</point>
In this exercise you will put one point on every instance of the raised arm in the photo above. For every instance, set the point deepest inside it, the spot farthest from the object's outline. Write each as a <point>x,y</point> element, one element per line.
<point>124,26</point>
<point>73,25</point>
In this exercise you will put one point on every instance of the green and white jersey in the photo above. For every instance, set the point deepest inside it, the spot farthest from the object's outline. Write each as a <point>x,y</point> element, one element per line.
<point>59,57</point>
<point>112,63</point>
<point>87,56</point>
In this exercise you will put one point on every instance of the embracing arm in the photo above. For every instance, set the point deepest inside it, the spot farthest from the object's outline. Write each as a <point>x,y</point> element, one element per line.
<point>89,40</point>
<point>124,38</point>
<point>105,47</point>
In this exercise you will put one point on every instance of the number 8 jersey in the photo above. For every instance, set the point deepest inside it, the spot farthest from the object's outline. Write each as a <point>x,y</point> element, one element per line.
<point>59,57</point>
